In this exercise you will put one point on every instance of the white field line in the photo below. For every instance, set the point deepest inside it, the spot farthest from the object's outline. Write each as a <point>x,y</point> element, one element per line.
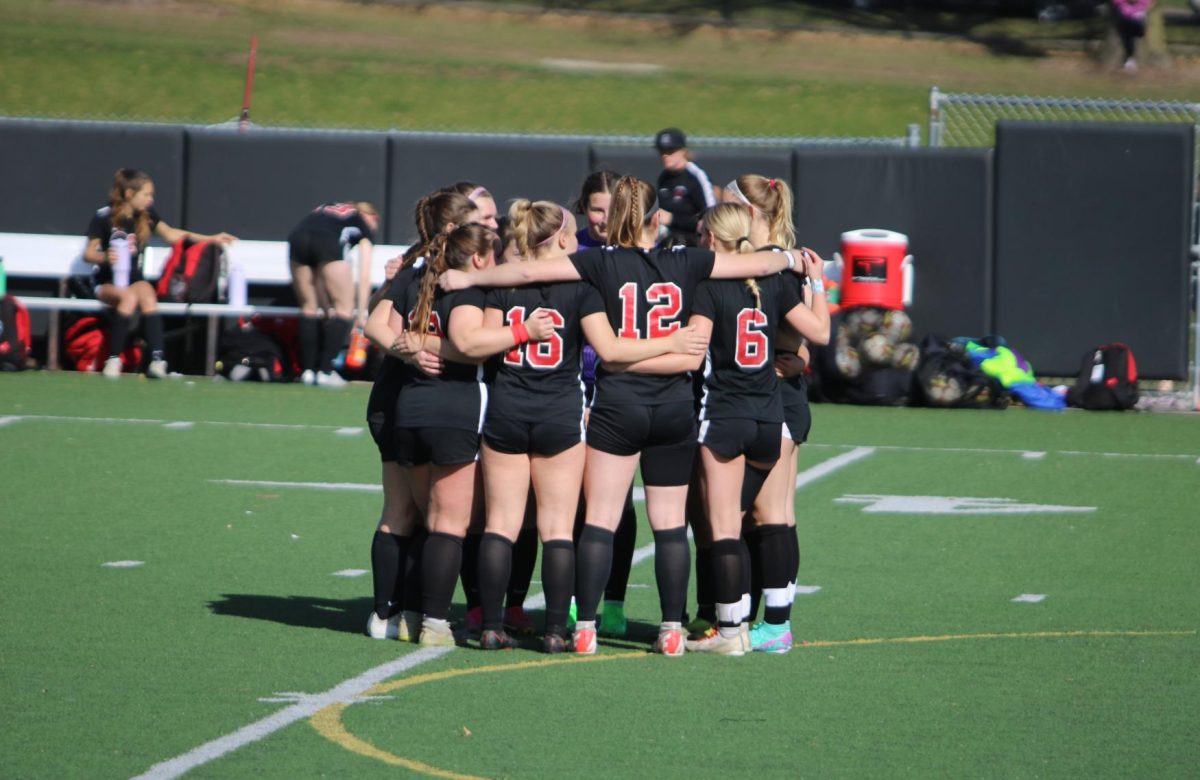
<point>824,469</point>
<point>349,690</point>
<point>12,419</point>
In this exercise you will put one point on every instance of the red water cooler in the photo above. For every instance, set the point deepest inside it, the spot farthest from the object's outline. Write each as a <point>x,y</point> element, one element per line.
<point>876,269</point>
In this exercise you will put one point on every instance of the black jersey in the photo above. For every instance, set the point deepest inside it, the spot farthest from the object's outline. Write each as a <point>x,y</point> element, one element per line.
<point>685,194</point>
<point>739,371</point>
<point>647,294</point>
<point>540,382</point>
<point>394,371</point>
<point>336,219</point>
<point>101,227</point>
<point>457,397</point>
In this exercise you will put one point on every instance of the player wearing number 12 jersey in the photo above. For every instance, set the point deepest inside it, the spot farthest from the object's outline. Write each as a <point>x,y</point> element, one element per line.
<point>644,409</point>
<point>534,425</point>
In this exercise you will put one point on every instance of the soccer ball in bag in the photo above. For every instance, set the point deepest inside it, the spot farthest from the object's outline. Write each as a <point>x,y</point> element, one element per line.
<point>896,325</point>
<point>944,389</point>
<point>877,349</point>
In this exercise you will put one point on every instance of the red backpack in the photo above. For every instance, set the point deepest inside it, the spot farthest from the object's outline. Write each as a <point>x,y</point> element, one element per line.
<point>15,338</point>
<point>191,273</point>
<point>86,345</point>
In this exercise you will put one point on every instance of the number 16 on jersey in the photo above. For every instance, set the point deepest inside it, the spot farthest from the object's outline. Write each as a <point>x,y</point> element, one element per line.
<point>542,355</point>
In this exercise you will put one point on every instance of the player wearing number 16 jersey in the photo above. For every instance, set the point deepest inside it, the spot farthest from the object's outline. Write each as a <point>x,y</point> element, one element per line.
<point>534,426</point>
<point>644,409</point>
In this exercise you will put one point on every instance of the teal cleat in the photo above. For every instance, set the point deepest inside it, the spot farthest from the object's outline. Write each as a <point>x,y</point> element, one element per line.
<point>768,638</point>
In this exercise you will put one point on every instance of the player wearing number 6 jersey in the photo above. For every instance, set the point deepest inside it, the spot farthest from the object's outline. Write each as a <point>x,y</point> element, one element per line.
<point>741,410</point>
<point>534,424</point>
<point>643,409</point>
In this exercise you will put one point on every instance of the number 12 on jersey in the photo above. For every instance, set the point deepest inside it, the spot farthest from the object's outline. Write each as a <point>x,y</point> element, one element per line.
<point>540,354</point>
<point>668,302</point>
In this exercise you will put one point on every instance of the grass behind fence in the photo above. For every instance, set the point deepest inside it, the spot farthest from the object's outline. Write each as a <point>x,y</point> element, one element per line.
<point>373,66</point>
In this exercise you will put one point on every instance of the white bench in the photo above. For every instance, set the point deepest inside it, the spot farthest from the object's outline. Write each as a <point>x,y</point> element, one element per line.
<point>43,256</point>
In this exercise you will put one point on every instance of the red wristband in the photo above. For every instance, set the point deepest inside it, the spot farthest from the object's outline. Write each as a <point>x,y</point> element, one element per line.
<point>520,333</point>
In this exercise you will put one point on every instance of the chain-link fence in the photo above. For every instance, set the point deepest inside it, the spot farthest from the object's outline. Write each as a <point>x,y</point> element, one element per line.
<point>970,120</point>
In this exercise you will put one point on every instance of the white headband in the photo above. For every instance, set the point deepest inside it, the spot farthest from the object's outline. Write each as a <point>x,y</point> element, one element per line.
<point>737,192</point>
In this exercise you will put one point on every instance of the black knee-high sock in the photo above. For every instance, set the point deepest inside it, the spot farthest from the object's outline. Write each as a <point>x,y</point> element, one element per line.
<point>495,568</point>
<point>750,573</point>
<point>753,479</point>
<point>593,560</point>
<point>624,544</point>
<point>727,581</point>
<point>309,338</point>
<point>470,569</point>
<point>440,564</point>
<point>558,582</point>
<point>120,331</point>
<point>706,600</point>
<point>388,552</point>
<point>333,339</point>
<point>413,589</point>
<point>525,552</point>
<point>774,554</point>
<point>153,328</point>
<point>672,566</point>
<point>794,548</point>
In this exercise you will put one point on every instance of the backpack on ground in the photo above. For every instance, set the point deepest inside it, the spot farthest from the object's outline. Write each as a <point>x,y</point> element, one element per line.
<point>1107,379</point>
<point>85,344</point>
<point>249,354</point>
<point>15,339</point>
<point>947,378</point>
<point>192,272</point>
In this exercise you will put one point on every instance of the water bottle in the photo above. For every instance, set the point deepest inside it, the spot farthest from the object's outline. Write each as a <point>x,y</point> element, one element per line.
<point>120,244</point>
<point>356,354</point>
<point>237,284</point>
<point>3,279</point>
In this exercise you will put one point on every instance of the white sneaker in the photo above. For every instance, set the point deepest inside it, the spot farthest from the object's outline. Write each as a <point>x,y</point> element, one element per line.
<point>112,368</point>
<point>330,379</point>
<point>383,629</point>
<point>309,377</point>
<point>157,369</point>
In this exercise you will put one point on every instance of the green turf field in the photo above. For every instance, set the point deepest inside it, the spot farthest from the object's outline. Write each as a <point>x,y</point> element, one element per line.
<point>234,649</point>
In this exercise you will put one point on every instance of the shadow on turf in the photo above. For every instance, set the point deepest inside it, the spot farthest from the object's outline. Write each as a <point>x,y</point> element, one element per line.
<point>348,615</point>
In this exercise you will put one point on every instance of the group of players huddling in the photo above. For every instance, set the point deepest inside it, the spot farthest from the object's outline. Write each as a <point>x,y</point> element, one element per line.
<point>487,418</point>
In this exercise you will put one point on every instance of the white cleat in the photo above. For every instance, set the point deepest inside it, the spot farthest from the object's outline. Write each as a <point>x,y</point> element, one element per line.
<point>330,379</point>
<point>157,369</point>
<point>112,368</point>
<point>309,377</point>
<point>383,629</point>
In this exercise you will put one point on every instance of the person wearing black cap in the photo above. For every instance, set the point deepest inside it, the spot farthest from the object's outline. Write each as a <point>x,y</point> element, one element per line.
<point>684,190</point>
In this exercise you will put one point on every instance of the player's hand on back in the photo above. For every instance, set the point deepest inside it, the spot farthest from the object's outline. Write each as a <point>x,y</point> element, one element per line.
<point>539,325</point>
<point>686,341</point>
<point>454,280</point>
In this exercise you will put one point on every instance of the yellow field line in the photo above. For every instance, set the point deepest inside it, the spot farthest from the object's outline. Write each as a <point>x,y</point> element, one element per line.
<point>328,721</point>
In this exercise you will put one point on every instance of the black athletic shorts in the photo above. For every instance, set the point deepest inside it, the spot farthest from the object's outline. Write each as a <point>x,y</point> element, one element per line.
<point>381,420</point>
<point>515,437</point>
<point>314,248</point>
<point>439,446</point>
<point>665,435</point>
<point>730,437</point>
<point>797,417</point>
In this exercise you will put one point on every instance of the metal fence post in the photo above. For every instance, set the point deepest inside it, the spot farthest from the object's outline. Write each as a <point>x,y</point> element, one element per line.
<point>935,117</point>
